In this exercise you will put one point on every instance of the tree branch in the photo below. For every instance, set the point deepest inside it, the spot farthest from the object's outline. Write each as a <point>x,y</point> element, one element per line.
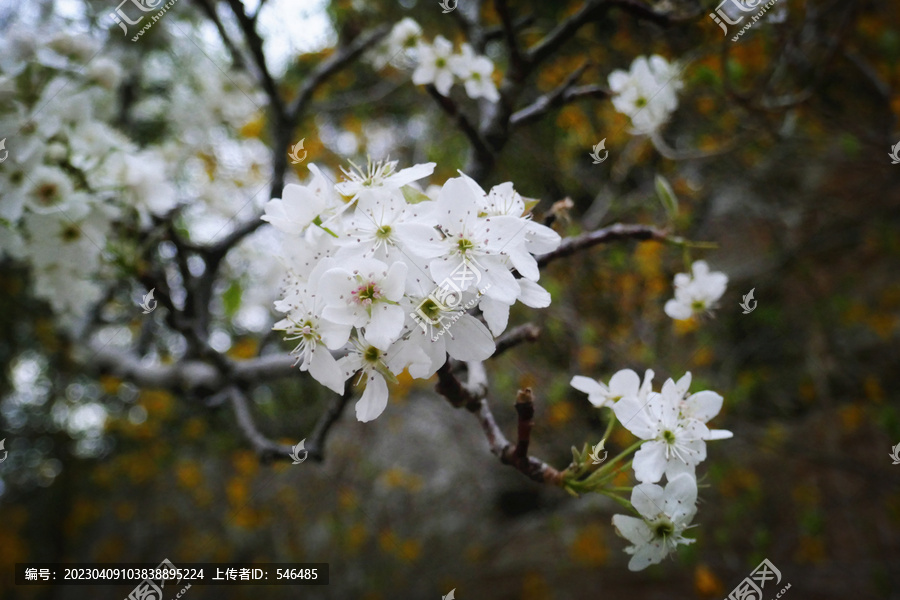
<point>619,231</point>
<point>563,94</point>
<point>267,450</point>
<point>479,144</point>
<point>472,397</point>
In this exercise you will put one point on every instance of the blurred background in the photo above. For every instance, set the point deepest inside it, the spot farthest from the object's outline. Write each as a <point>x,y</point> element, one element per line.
<point>778,153</point>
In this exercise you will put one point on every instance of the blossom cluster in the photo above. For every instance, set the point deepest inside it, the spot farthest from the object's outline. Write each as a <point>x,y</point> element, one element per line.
<point>373,264</point>
<point>75,184</point>
<point>647,93</point>
<point>436,63</point>
<point>671,426</point>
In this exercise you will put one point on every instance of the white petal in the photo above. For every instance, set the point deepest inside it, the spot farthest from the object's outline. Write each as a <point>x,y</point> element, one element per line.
<point>678,311</point>
<point>650,462</point>
<point>632,529</point>
<point>533,295</point>
<point>324,369</point>
<point>649,499</point>
<point>703,406</point>
<point>624,383</point>
<point>374,398</point>
<point>495,313</point>
<point>469,340</point>
<point>385,326</point>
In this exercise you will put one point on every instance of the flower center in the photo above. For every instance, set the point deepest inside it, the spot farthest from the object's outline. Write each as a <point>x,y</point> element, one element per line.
<point>476,76</point>
<point>371,354</point>
<point>698,305</point>
<point>70,233</point>
<point>430,309</point>
<point>383,232</point>
<point>367,294</point>
<point>640,102</point>
<point>664,529</point>
<point>440,63</point>
<point>464,245</point>
<point>669,437</point>
<point>47,193</point>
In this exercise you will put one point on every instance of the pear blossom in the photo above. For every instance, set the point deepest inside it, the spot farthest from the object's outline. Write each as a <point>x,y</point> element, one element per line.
<point>399,46</point>
<point>434,65</point>
<point>380,175</point>
<point>623,384</point>
<point>475,72</point>
<point>665,515</point>
<point>366,293</point>
<point>701,406</point>
<point>675,443</point>
<point>394,282</point>
<point>646,93</point>
<point>696,293</point>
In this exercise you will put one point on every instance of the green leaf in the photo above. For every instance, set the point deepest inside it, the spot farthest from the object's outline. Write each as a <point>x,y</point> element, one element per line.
<point>232,298</point>
<point>667,196</point>
<point>412,195</point>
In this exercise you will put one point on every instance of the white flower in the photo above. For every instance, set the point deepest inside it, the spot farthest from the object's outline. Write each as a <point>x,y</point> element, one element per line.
<point>48,190</point>
<point>674,442</point>
<point>701,406</point>
<point>646,93</point>
<point>696,293</point>
<point>144,175</point>
<point>665,515</point>
<point>399,46</point>
<point>380,176</point>
<point>434,65</point>
<point>365,356</point>
<point>624,384</point>
<point>366,294</point>
<point>106,72</point>
<point>469,242</point>
<point>475,72</point>
<point>301,205</point>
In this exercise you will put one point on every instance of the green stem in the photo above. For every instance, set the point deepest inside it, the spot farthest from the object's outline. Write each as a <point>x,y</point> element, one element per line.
<point>623,501</point>
<point>609,427</point>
